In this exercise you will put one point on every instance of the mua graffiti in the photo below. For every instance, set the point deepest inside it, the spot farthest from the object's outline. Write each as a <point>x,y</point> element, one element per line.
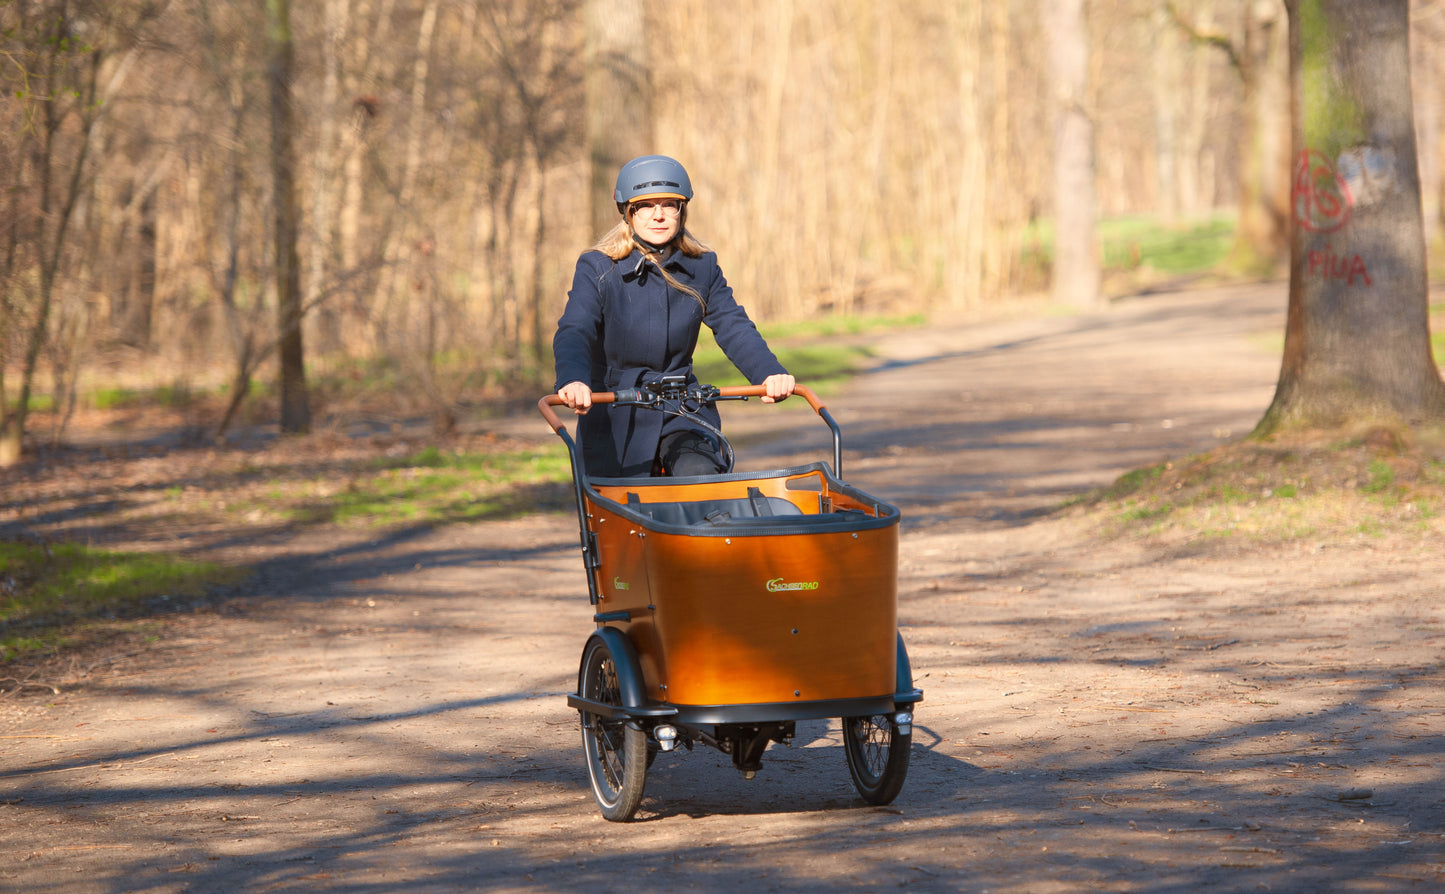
<point>1325,264</point>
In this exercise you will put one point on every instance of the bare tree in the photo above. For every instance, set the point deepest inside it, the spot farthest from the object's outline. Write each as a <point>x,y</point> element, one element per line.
<point>1357,340</point>
<point>1164,89</point>
<point>1259,57</point>
<point>226,192</point>
<point>1076,270</point>
<point>536,66</point>
<point>619,97</point>
<point>324,180</point>
<point>295,407</point>
<point>849,156</point>
<point>67,61</point>
<point>1261,236</point>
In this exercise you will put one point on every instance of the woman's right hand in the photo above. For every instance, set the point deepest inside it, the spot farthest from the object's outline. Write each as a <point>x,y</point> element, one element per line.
<point>576,395</point>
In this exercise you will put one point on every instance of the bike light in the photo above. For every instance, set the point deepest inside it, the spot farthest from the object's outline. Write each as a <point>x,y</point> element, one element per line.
<point>666,736</point>
<point>904,722</point>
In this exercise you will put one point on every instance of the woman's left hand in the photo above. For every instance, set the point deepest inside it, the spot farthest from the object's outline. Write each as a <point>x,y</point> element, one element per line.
<point>779,387</point>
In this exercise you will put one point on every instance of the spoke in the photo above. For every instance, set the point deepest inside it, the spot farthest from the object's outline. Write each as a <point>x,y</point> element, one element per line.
<point>873,741</point>
<point>608,735</point>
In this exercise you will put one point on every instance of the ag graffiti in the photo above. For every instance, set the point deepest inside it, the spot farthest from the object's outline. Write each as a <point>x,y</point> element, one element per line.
<point>1325,264</point>
<point>1322,200</point>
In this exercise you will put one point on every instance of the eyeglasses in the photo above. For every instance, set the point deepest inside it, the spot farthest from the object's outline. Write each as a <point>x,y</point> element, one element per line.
<point>670,207</point>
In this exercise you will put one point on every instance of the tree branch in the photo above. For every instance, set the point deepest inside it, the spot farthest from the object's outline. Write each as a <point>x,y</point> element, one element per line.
<point>1216,39</point>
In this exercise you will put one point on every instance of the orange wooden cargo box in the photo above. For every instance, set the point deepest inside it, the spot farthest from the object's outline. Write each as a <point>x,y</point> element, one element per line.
<point>750,590</point>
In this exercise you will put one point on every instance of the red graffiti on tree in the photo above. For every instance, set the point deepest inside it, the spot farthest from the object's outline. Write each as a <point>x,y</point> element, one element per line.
<point>1328,265</point>
<point>1322,200</point>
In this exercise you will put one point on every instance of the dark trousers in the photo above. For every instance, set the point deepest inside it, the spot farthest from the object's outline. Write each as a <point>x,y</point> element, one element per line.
<point>685,453</point>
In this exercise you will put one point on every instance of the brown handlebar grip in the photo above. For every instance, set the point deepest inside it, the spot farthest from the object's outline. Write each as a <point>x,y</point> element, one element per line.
<point>802,391</point>
<point>545,406</point>
<point>547,402</point>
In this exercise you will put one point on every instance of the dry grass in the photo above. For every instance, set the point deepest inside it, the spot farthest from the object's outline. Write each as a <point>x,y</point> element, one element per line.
<point>1376,482</point>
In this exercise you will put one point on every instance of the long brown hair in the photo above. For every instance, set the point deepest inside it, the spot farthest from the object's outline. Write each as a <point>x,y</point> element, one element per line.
<point>618,242</point>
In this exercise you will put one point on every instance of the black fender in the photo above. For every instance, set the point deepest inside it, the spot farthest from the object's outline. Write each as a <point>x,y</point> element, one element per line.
<point>630,686</point>
<point>903,684</point>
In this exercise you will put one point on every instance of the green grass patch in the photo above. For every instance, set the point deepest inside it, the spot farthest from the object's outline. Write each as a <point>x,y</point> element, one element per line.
<point>119,398</point>
<point>841,326</point>
<point>1132,242</point>
<point>38,403</point>
<point>1144,242</point>
<point>821,367</point>
<point>1144,511</point>
<point>1380,477</point>
<point>431,486</point>
<point>49,594</point>
<point>114,398</point>
<point>1231,493</point>
<point>1132,482</point>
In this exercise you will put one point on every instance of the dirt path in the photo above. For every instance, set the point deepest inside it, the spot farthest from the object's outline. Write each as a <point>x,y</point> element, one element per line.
<point>1099,714</point>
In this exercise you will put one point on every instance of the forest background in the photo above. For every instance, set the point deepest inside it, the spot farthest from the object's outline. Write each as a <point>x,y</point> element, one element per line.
<point>850,159</point>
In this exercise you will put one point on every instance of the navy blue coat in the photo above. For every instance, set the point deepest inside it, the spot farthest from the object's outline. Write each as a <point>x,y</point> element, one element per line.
<point>624,325</point>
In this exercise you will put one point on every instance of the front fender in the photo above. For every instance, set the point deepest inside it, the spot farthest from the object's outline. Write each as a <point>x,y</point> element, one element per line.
<point>630,686</point>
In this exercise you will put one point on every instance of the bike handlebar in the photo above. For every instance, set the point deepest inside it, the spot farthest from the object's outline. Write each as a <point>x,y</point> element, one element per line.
<point>549,401</point>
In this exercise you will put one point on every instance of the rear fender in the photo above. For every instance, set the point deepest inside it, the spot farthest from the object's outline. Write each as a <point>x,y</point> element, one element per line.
<point>905,693</point>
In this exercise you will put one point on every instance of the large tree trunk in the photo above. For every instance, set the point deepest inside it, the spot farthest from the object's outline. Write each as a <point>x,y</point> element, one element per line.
<point>1076,273</point>
<point>619,98</point>
<point>295,409</point>
<point>1357,340</point>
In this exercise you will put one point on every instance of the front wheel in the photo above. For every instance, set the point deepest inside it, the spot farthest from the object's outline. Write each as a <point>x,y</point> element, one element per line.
<point>616,751</point>
<point>877,755</point>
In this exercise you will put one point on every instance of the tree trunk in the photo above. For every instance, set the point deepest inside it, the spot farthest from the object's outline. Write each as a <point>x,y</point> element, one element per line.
<point>359,73</point>
<point>1076,273</point>
<point>395,275</point>
<point>1166,93</point>
<point>295,409</point>
<point>1262,233</point>
<point>619,98</point>
<point>1196,183</point>
<point>1357,338</point>
<point>1261,60</point>
<point>323,175</point>
<point>140,313</point>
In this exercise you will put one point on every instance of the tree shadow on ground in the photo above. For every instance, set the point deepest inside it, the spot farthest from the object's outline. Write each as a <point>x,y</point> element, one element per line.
<point>1230,811</point>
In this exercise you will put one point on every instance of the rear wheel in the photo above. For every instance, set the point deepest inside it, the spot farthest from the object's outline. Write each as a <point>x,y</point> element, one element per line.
<point>877,756</point>
<point>616,751</point>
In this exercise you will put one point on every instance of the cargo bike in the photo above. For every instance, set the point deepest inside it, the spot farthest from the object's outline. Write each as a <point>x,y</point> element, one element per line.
<point>729,607</point>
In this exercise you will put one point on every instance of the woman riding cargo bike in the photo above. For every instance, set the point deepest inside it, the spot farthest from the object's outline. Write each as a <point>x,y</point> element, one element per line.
<point>728,605</point>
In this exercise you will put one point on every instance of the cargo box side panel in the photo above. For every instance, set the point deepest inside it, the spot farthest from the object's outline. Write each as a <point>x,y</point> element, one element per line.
<point>776,618</point>
<point>623,587</point>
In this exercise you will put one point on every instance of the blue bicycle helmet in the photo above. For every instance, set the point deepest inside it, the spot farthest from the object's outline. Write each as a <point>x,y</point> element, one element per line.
<point>649,177</point>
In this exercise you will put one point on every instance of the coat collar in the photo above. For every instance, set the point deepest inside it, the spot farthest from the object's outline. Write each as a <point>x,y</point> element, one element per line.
<point>632,266</point>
